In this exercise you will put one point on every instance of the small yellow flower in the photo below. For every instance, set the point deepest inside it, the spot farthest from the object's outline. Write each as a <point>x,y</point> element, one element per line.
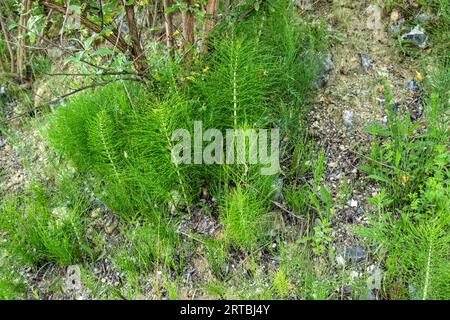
<point>404,179</point>
<point>419,76</point>
<point>177,32</point>
<point>205,70</point>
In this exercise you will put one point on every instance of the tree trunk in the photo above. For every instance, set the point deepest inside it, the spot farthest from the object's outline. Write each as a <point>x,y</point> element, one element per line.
<point>169,27</point>
<point>188,26</point>
<point>211,11</point>
<point>21,53</point>
<point>136,48</point>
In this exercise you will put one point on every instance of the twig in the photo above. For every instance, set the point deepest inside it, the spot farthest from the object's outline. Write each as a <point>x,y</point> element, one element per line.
<point>94,85</point>
<point>279,205</point>
<point>191,236</point>
<point>376,161</point>
<point>8,44</point>
<point>61,32</point>
<point>91,74</point>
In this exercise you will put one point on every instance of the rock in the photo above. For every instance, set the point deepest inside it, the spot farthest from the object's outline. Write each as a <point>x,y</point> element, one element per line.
<point>347,290</point>
<point>7,148</point>
<point>303,4</point>
<point>395,15</point>
<point>327,65</point>
<point>352,203</point>
<point>15,180</point>
<point>2,91</point>
<point>373,22</point>
<point>416,36</point>
<point>340,261</point>
<point>347,118</point>
<point>354,254</point>
<point>365,62</point>
<point>111,225</point>
<point>412,85</point>
<point>61,214</point>
<point>395,28</point>
<point>413,292</point>
<point>374,280</point>
<point>72,281</point>
<point>371,295</point>
<point>175,202</point>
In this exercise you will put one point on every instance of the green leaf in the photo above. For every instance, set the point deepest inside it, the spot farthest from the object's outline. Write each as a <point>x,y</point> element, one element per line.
<point>102,52</point>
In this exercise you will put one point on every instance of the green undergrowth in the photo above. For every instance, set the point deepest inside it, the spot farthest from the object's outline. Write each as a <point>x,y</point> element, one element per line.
<point>409,161</point>
<point>45,225</point>
<point>119,137</point>
<point>433,16</point>
<point>259,74</point>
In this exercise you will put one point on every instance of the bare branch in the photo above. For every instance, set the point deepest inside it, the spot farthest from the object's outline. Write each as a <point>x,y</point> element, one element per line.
<point>8,42</point>
<point>94,85</point>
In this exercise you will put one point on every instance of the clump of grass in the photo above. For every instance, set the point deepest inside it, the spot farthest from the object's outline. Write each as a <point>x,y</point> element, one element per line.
<point>417,247</point>
<point>403,157</point>
<point>37,231</point>
<point>236,89</point>
<point>411,167</point>
<point>12,284</point>
<point>151,243</point>
<point>242,212</point>
<point>259,76</point>
<point>301,276</point>
<point>123,144</point>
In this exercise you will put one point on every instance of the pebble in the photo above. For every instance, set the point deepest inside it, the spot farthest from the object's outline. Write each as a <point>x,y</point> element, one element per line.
<point>395,15</point>
<point>395,28</point>
<point>327,67</point>
<point>371,295</point>
<point>416,36</point>
<point>374,280</point>
<point>412,85</point>
<point>111,226</point>
<point>352,203</point>
<point>354,254</point>
<point>365,62</point>
<point>347,118</point>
